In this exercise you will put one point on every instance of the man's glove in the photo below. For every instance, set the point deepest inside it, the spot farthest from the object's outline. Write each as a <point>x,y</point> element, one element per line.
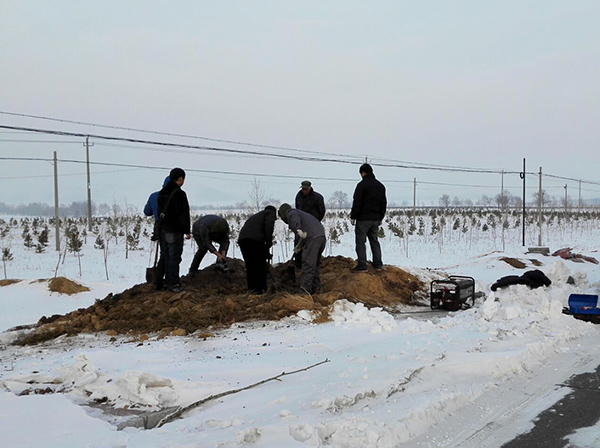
<point>298,249</point>
<point>302,234</point>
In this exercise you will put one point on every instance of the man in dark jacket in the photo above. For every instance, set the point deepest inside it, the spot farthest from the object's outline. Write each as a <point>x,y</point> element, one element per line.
<point>151,209</point>
<point>368,209</point>
<point>174,209</point>
<point>312,243</point>
<point>309,201</point>
<point>205,230</point>
<point>255,240</point>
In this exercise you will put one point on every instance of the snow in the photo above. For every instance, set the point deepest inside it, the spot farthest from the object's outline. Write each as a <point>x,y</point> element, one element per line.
<point>409,379</point>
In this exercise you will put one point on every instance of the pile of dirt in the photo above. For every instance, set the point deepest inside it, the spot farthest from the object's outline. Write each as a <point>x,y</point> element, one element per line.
<point>63,285</point>
<point>8,281</point>
<point>514,262</point>
<point>213,299</point>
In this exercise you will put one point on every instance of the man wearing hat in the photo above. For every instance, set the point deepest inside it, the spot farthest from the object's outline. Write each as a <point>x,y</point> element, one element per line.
<point>206,230</point>
<point>368,209</point>
<point>311,235</point>
<point>309,201</point>
<point>255,240</point>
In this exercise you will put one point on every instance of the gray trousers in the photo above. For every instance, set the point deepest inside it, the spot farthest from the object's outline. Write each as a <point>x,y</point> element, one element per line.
<point>364,230</point>
<point>311,259</point>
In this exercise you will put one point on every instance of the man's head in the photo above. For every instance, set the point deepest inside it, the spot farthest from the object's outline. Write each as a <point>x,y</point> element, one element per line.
<point>283,211</point>
<point>220,227</point>
<point>306,187</point>
<point>365,169</point>
<point>177,175</point>
<point>270,208</point>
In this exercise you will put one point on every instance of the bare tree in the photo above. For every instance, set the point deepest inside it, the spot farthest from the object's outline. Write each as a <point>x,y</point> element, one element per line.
<point>256,195</point>
<point>444,201</point>
<point>339,199</point>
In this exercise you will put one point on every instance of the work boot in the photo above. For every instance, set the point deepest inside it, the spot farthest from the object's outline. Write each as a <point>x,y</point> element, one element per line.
<point>358,268</point>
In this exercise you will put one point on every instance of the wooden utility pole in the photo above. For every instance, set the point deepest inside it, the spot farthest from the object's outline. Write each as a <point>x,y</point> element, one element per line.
<point>523,177</point>
<point>415,202</point>
<point>566,201</point>
<point>87,145</point>
<point>56,213</point>
<point>540,209</point>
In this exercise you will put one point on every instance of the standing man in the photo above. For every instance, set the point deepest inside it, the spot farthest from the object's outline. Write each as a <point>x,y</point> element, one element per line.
<point>309,201</point>
<point>207,229</point>
<point>151,209</point>
<point>311,236</point>
<point>256,238</point>
<point>174,211</point>
<point>368,209</point>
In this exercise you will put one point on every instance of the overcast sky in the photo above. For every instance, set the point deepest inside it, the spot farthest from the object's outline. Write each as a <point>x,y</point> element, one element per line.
<point>455,83</point>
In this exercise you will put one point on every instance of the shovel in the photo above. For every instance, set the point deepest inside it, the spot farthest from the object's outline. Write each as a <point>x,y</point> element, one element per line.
<point>151,271</point>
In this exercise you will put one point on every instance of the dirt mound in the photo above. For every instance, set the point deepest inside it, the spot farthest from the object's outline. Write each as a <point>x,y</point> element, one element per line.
<point>8,281</point>
<point>63,285</point>
<point>514,262</point>
<point>212,299</point>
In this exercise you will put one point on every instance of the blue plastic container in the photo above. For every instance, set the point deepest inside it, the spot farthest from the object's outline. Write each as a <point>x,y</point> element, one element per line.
<point>584,304</point>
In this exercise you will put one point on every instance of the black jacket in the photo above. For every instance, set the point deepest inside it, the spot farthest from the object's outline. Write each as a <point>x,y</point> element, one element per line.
<point>312,203</point>
<point>204,234</point>
<point>177,216</point>
<point>259,227</point>
<point>369,202</point>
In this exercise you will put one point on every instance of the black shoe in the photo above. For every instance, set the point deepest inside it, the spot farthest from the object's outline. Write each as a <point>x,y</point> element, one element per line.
<point>378,268</point>
<point>175,288</point>
<point>192,274</point>
<point>358,268</point>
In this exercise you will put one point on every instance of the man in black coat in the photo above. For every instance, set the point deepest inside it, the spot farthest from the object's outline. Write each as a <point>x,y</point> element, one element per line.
<point>255,240</point>
<point>174,210</point>
<point>368,209</point>
<point>309,201</point>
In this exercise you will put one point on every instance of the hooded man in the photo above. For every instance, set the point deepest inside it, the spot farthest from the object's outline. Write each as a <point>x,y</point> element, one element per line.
<point>368,209</point>
<point>255,240</point>
<point>309,201</point>
<point>312,240</point>
<point>174,211</point>
<point>205,230</point>
<point>151,209</point>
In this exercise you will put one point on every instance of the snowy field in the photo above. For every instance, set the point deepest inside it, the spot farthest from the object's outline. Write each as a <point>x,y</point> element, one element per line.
<point>474,378</point>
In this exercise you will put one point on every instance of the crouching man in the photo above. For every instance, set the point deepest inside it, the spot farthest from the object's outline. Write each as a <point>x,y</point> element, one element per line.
<point>311,236</point>
<point>206,230</point>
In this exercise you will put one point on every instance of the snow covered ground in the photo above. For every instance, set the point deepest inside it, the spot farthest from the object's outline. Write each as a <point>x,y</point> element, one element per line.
<point>473,378</point>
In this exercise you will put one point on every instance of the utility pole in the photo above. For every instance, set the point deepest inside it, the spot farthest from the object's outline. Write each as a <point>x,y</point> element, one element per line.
<point>579,203</point>
<point>56,214</point>
<point>523,177</point>
<point>540,210</point>
<point>503,209</point>
<point>566,199</point>
<point>87,145</point>
<point>415,202</point>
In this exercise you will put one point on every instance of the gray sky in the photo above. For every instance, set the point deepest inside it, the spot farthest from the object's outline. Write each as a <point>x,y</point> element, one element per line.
<point>454,83</point>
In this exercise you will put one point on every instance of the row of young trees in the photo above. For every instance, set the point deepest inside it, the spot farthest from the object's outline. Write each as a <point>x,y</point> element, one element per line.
<point>123,232</point>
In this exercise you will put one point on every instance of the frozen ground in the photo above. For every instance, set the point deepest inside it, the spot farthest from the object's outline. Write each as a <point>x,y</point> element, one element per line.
<point>406,380</point>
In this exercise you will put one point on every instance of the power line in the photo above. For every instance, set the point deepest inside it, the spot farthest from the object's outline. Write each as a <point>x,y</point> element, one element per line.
<point>254,153</point>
